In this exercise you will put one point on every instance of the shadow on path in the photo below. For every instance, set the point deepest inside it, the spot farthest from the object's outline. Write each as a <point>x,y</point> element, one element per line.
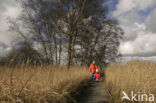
<point>94,93</point>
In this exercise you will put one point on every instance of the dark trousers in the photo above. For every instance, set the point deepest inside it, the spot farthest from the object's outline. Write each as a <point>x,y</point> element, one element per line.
<point>92,76</point>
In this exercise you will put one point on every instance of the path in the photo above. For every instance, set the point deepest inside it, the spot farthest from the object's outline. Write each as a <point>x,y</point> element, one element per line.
<point>95,93</point>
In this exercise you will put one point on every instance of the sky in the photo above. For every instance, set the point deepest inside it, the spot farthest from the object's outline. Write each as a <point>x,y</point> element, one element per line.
<point>136,18</point>
<point>8,8</point>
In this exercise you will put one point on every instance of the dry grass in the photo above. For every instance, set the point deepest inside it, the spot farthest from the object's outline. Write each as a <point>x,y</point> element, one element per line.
<point>137,76</point>
<point>37,85</point>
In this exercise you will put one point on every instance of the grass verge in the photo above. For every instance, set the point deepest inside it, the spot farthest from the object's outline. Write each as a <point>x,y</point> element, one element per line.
<point>135,76</point>
<point>37,85</point>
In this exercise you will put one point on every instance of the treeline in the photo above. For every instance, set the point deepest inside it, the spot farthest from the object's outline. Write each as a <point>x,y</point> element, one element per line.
<point>21,53</point>
<point>72,32</point>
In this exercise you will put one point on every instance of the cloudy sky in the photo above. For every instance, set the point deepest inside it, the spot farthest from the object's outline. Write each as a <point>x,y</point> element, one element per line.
<point>136,17</point>
<point>8,8</point>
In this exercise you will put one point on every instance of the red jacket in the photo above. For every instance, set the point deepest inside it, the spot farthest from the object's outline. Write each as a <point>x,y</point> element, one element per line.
<point>92,68</point>
<point>97,75</point>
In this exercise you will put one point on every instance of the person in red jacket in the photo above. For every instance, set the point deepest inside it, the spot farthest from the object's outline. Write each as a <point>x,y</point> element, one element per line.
<point>92,70</point>
<point>97,75</point>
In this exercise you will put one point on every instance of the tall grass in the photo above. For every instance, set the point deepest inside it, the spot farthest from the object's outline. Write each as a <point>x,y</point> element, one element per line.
<point>38,85</point>
<point>136,76</point>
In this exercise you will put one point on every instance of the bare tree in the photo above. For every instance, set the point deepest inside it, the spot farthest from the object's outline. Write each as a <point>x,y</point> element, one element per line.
<point>99,44</point>
<point>79,28</point>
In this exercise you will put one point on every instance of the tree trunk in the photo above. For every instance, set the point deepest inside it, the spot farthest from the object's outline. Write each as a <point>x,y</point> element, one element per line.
<point>55,41</point>
<point>44,47</point>
<point>70,51</point>
<point>60,48</point>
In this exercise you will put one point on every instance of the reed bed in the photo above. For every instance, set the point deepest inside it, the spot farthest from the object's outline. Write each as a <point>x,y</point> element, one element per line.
<point>135,76</point>
<point>40,85</point>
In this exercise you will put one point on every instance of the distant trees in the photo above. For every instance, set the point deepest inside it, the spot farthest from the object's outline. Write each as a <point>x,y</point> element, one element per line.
<point>22,53</point>
<point>71,31</point>
<point>99,45</point>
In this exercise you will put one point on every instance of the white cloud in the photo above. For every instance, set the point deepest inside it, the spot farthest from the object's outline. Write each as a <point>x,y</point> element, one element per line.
<point>8,8</point>
<point>139,36</point>
<point>129,18</point>
<point>125,6</point>
<point>143,44</point>
<point>151,22</point>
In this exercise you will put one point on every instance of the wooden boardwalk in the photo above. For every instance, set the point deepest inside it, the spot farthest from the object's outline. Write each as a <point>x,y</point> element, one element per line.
<point>95,93</point>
